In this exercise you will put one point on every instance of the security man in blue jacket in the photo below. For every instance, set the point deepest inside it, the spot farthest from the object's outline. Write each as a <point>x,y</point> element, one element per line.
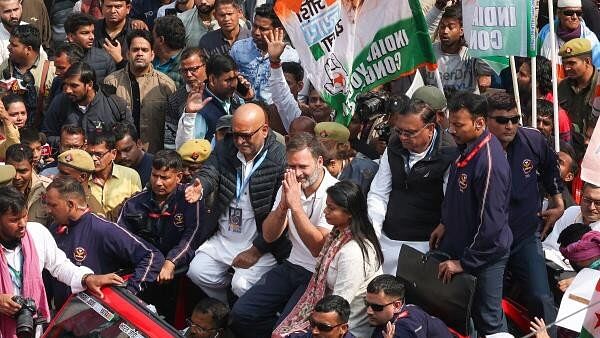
<point>94,242</point>
<point>162,216</point>
<point>474,228</point>
<point>531,161</point>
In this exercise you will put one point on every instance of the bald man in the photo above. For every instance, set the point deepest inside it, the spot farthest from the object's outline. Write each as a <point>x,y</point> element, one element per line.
<point>246,168</point>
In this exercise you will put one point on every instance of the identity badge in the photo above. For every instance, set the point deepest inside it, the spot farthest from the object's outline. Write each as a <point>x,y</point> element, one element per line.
<point>235,220</point>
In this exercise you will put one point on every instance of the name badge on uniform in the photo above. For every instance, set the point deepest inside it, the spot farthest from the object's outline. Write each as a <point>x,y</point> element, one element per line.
<point>235,219</point>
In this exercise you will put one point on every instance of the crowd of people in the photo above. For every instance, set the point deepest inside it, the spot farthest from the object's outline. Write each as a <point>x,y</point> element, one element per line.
<point>182,140</point>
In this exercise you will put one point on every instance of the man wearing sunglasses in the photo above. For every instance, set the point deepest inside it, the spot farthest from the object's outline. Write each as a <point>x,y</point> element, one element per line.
<point>328,320</point>
<point>531,159</point>
<point>570,26</point>
<point>392,317</point>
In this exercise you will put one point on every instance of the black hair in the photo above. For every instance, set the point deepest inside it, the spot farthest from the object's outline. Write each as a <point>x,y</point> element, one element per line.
<point>543,68</point>
<point>67,186</point>
<point>348,196</point>
<point>11,98</point>
<point>475,104</point>
<point>76,20</point>
<point>18,153</point>
<point>334,303</point>
<point>30,135</point>
<point>127,2</point>
<point>501,101</point>
<point>12,200</point>
<point>72,129</point>
<point>28,35</point>
<point>171,28</point>
<point>425,112</point>
<point>453,12</point>
<point>544,108</point>
<point>84,71</point>
<point>267,11</point>
<point>390,285</point>
<point>233,3</point>
<point>300,141</point>
<point>169,159</point>
<point>140,33</point>
<point>122,129</point>
<point>103,136</point>
<point>190,51</point>
<point>397,104</point>
<point>572,234</point>
<point>72,50</point>
<point>218,310</point>
<point>293,68</point>
<point>568,149</point>
<point>218,65</point>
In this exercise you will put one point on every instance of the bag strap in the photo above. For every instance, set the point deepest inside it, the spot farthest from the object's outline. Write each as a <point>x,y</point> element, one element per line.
<point>37,120</point>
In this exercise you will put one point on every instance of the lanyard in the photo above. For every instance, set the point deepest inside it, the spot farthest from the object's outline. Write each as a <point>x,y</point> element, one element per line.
<point>240,185</point>
<point>470,155</point>
<point>16,276</point>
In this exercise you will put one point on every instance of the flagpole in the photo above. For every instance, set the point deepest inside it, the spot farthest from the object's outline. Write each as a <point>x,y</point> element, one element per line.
<point>554,55</point>
<point>513,72</point>
<point>587,307</point>
<point>438,81</point>
<point>533,92</point>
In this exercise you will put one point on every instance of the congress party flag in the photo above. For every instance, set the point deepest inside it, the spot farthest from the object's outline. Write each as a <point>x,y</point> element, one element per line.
<point>590,167</point>
<point>500,27</point>
<point>591,323</point>
<point>349,47</point>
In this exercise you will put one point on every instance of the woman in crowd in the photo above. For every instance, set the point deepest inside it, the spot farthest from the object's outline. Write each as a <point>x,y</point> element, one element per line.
<point>9,129</point>
<point>351,257</point>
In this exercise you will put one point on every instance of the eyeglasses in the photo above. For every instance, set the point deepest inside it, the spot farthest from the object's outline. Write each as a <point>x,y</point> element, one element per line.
<point>590,201</point>
<point>322,326</point>
<point>246,136</point>
<point>98,155</point>
<point>572,12</point>
<point>504,120</point>
<point>193,69</point>
<point>197,328</point>
<point>410,133</point>
<point>378,307</point>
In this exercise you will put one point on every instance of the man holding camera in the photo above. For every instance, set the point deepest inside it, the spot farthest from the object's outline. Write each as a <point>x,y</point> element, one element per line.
<point>27,249</point>
<point>410,178</point>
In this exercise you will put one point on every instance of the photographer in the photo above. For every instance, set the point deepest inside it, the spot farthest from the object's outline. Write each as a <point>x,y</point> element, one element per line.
<point>370,124</point>
<point>27,248</point>
<point>406,194</point>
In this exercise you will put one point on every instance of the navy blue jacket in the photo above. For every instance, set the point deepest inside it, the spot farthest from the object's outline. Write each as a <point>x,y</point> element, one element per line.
<point>475,207</point>
<point>531,160</point>
<point>310,335</point>
<point>413,322</point>
<point>176,229</point>
<point>214,110</point>
<point>106,247</point>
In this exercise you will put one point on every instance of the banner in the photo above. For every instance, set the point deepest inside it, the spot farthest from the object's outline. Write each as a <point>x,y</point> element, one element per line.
<point>349,47</point>
<point>590,167</point>
<point>500,27</point>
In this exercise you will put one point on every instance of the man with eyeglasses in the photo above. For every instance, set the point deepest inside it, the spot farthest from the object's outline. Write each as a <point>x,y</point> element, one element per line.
<point>392,317</point>
<point>245,169</point>
<point>531,161</point>
<point>570,26</point>
<point>208,102</point>
<point>406,194</point>
<point>209,320</point>
<point>328,320</point>
<point>111,184</point>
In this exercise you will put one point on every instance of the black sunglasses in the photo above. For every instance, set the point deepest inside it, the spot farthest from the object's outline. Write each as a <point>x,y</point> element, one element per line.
<point>322,326</point>
<point>246,136</point>
<point>504,120</point>
<point>378,307</point>
<point>571,13</point>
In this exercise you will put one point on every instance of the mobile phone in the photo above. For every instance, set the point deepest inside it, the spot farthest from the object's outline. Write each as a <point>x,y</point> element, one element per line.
<point>170,11</point>
<point>241,89</point>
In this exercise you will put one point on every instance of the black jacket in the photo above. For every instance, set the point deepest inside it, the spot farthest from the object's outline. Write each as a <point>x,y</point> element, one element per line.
<point>100,61</point>
<point>219,174</point>
<point>102,111</point>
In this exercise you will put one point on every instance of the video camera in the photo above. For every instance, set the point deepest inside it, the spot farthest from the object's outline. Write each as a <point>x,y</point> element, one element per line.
<point>372,109</point>
<point>26,323</point>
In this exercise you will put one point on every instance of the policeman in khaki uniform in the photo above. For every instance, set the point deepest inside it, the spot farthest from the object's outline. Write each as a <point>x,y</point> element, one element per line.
<point>79,165</point>
<point>193,153</point>
<point>7,173</point>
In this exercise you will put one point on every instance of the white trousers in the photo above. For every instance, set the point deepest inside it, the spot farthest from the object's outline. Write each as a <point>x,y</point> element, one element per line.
<point>391,251</point>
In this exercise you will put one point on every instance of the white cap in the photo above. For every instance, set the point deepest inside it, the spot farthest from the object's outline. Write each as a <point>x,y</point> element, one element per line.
<point>500,335</point>
<point>568,3</point>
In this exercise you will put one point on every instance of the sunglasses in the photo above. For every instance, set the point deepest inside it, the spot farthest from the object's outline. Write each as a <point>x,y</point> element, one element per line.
<point>571,13</point>
<point>323,327</point>
<point>504,120</point>
<point>246,136</point>
<point>378,307</point>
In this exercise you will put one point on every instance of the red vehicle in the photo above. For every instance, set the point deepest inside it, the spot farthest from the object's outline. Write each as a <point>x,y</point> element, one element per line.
<point>118,314</point>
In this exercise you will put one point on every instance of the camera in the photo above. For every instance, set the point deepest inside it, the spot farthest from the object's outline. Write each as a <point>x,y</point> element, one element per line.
<point>26,323</point>
<point>371,105</point>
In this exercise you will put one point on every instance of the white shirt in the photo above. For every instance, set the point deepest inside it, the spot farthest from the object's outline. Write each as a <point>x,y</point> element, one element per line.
<point>313,206</point>
<point>4,37</point>
<point>162,9</point>
<point>50,257</point>
<point>286,104</point>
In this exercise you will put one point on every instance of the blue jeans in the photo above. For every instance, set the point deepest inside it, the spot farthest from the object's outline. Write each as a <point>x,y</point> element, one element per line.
<point>255,314</point>
<point>528,267</point>
<point>486,311</point>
